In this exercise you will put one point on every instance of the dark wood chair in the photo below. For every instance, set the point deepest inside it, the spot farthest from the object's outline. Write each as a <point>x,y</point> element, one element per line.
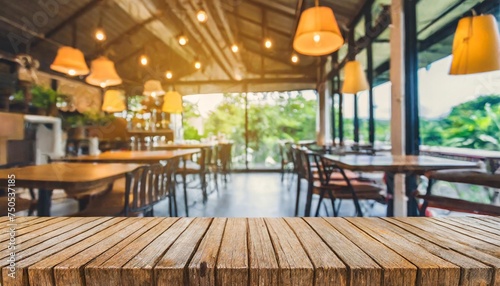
<point>329,187</point>
<point>473,177</point>
<point>143,189</point>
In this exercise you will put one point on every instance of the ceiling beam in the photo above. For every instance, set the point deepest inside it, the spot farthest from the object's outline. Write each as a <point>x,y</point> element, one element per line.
<point>274,6</point>
<point>73,17</point>
<point>271,29</point>
<point>366,7</point>
<point>249,81</point>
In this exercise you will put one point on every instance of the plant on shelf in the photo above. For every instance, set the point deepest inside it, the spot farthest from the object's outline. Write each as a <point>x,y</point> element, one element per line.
<point>44,100</point>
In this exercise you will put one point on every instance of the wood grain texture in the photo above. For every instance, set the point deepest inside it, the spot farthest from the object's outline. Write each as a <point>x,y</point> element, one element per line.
<point>171,269</point>
<point>72,177</point>
<point>264,268</point>
<point>329,269</point>
<point>472,272</point>
<point>295,266</point>
<point>97,271</point>
<point>432,270</point>
<point>202,267</point>
<point>232,263</point>
<point>139,270</point>
<point>255,251</point>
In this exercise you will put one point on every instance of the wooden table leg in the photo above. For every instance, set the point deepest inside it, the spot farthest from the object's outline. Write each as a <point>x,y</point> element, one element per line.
<point>185,186</point>
<point>44,202</point>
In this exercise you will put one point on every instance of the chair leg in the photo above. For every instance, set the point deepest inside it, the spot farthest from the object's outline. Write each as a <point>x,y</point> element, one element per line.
<point>298,197</point>
<point>424,206</point>
<point>332,199</point>
<point>321,196</point>
<point>185,194</point>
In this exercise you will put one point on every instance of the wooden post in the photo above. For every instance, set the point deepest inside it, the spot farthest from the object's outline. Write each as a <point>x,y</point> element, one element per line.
<point>323,135</point>
<point>12,128</point>
<point>397,76</point>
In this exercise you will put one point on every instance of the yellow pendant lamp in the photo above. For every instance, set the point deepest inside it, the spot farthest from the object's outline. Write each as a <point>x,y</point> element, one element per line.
<point>318,33</point>
<point>114,101</point>
<point>153,88</point>
<point>354,78</point>
<point>476,46</point>
<point>103,73</point>
<point>70,61</point>
<point>172,102</point>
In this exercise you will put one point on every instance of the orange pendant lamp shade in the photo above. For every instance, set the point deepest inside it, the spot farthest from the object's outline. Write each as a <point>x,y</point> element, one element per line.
<point>153,88</point>
<point>354,78</point>
<point>172,102</point>
<point>114,101</point>
<point>70,61</point>
<point>476,46</point>
<point>103,73</point>
<point>318,33</point>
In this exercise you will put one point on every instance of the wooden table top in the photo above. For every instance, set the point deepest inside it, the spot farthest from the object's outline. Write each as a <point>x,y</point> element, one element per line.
<point>177,146</point>
<point>462,152</point>
<point>397,164</point>
<point>133,156</point>
<point>71,177</point>
<point>254,251</point>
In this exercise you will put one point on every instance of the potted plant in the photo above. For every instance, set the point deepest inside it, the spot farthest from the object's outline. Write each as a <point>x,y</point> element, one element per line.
<point>43,100</point>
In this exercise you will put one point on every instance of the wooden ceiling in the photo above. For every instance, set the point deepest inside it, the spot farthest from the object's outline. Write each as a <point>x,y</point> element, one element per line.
<point>151,27</point>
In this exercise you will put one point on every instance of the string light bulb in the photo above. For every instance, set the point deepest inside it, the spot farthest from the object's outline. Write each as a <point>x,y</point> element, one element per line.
<point>268,44</point>
<point>294,59</point>
<point>201,16</point>
<point>100,35</point>
<point>143,60</point>
<point>183,40</point>
<point>235,48</point>
<point>197,64</point>
<point>168,74</point>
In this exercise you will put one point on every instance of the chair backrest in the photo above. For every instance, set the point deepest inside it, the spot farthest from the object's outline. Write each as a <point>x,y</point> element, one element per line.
<point>145,187</point>
<point>225,155</point>
<point>303,163</point>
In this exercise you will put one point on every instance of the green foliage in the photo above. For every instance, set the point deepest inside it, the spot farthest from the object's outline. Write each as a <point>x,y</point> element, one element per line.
<point>43,97</point>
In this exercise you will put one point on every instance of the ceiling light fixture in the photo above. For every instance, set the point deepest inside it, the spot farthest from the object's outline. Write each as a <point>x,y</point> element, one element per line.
<point>317,33</point>
<point>168,74</point>
<point>197,64</point>
<point>201,16</point>
<point>100,35</point>
<point>144,60</point>
<point>182,39</point>
<point>268,44</point>
<point>235,48</point>
<point>476,46</point>
<point>70,61</point>
<point>103,73</point>
<point>354,78</point>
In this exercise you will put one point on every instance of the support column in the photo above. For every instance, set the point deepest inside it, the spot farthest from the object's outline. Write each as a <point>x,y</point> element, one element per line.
<point>323,135</point>
<point>356,119</point>
<point>397,68</point>
<point>341,117</point>
<point>369,75</point>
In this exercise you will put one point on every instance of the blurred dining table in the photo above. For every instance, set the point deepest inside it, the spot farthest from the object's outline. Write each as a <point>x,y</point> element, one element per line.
<point>182,146</point>
<point>73,178</point>
<point>146,157</point>
<point>409,164</point>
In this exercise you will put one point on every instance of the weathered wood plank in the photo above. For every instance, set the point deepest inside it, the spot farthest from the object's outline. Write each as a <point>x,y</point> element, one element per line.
<point>139,270</point>
<point>232,263</point>
<point>87,228</point>
<point>329,269</point>
<point>295,266</point>
<point>110,269</point>
<point>33,239</point>
<point>476,224</point>
<point>202,267</point>
<point>474,232</point>
<point>432,270</point>
<point>43,269</point>
<point>96,271</point>
<point>371,265</point>
<point>472,271</point>
<point>28,227</point>
<point>171,269</point>
<point>70,271</point>
<point>429,226</point>
<point>264,268</point>
<point>494,225</point>
<point>415,226</point>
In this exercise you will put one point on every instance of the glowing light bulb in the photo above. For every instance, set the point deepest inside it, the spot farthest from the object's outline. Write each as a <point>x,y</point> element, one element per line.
<point>316,38</point>
<point>235,48</point>
<point>268,44</point>
<point>103,84</point>
<point>201,15</point>
<point>153,94</point>
<point>144,60</point>
<point>100,35</point>
<point>168,74</point>
<point>295,59</point>
<point>71,72</point>
<point>197,65</point>
<point>183,40</point>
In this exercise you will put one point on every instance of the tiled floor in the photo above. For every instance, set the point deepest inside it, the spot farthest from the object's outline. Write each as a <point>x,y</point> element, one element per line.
<point>245,195</point>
